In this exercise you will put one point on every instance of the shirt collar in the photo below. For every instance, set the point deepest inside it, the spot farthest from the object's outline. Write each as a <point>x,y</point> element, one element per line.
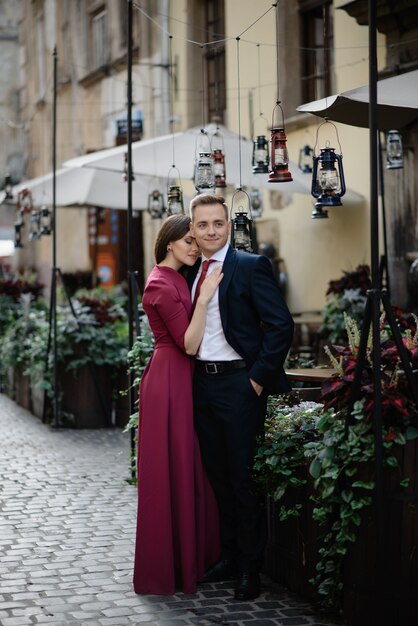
<point>219,255</point>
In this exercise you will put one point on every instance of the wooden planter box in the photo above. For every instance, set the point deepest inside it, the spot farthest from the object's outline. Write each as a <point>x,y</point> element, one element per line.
<point>293,545</point>
<point>22,390</point>
<point>88,401</point>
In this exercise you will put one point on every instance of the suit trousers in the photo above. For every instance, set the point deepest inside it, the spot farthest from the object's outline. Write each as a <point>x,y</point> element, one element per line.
<point>229,416</point>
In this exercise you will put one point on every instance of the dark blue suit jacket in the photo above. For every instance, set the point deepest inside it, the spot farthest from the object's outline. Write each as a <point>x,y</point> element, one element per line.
<point>255,318</point>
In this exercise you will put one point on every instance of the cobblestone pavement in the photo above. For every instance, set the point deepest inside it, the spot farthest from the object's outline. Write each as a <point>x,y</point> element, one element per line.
<point>67,522</point>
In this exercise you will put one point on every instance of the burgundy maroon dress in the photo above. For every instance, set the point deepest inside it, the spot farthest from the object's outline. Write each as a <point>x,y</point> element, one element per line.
<point>177,533</point>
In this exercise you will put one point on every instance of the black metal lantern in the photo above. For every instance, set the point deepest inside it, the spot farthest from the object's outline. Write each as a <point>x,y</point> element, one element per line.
<point>46,216</point>
<point>256,202</point>
<point>175,200</point>
<point>156,206</point>
<point>305,163</point>
<point>125,169</point>
<point>279,159</point>
<point>242,234</point>
<point>328,184</point>
<point>260,155</point>
<point>319,213</point>
<point>8,187</point>
<point>18,234</point>
<point>219,168</point>
<point>394,151</point>
<point>35,226</point>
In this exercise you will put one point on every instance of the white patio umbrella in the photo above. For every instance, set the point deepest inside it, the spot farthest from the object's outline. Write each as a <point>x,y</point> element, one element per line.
<point>154,157</point>
<point>88,187</point>
<point>397,104</point>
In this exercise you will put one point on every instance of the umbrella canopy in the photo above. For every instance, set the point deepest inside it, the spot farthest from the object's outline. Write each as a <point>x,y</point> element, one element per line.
<point>154,157</point>
<point>88,187</point>
<point>397,104</point>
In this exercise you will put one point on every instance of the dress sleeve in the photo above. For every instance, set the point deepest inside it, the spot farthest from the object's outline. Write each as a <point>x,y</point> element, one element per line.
<point>168,304</point>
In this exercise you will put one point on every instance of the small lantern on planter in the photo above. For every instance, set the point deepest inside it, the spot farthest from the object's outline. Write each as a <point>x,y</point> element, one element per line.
<point>46,225</point>
<point>279,160</point>
<point>242,236</point>
<point>306,155</point>
<point>35,226</point>
<point>394,151</point>
<point>328,184</point>
<point>156,206</point>
<point>256,202</point>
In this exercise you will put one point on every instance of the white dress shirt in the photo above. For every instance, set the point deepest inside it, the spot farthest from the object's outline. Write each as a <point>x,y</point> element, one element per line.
<point>214,346</point>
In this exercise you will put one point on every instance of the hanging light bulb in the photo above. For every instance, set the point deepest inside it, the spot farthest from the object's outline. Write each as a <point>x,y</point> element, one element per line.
<point>46,215</point>
<point>35,226</point>
<point>242,235</point>
<point>305,163</point>
<point>156,206</point>
<point>175,200</point>
<point>256,202</point>
<point>394,151</point>
<point>260,155</point>
<point>328,184</point>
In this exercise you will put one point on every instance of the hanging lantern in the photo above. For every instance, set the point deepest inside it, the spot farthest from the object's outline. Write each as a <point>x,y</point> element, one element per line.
<point>328,184</point>
<point>156,206</point>
<point>219,167</point>
<point>260,155</point>
<point>45,220</point>
<point>319,213</point>
<point>242,235</point>
<point>394,151</point>
<point>279,159</point>
<point>256,202</point>
<point>306,155</point>
<point>8,187</point>
<point>125,169</point>
<point>204,177</point>
<point>24,201</point>
<point>18,234</point>
<point>35,226</point>
<point>175,200</point>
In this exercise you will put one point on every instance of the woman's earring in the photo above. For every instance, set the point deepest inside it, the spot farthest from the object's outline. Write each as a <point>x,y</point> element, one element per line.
<point>169,249</point>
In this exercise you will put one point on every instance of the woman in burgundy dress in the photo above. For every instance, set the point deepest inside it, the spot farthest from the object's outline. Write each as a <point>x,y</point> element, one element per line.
<point>177,534</point>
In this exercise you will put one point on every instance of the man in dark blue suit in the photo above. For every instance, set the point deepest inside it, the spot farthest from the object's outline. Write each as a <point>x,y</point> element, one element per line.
<point>247,336</point>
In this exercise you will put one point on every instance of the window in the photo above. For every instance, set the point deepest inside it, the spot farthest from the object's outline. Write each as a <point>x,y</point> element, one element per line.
<point>40,56</point>
<point>317,48</point>
<point>99,39</point>
<point>215,60</point>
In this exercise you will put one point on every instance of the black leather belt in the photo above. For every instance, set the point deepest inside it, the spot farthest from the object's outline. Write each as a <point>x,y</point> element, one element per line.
<point>217,367</point>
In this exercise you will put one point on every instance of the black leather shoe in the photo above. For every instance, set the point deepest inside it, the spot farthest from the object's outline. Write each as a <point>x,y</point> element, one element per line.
<point>248,586</point>
<point>225,569</point>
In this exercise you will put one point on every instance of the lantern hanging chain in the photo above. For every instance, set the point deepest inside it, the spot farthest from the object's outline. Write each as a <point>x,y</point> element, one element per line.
<point>170,70</point>
<point>203,90</point>
<point>259,74</point>
<point>277,52</point>
<point>239,114</point>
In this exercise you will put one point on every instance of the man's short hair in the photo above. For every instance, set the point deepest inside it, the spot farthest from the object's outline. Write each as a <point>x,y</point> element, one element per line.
<point>207,198</point>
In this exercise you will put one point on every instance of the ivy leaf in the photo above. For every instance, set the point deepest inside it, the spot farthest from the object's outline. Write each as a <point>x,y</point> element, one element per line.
<point>315,468</point>
<point>411,433</point>
<point>363,485</point>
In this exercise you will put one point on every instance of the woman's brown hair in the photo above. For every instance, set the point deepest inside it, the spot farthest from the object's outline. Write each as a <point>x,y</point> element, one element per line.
<point>174,228</point>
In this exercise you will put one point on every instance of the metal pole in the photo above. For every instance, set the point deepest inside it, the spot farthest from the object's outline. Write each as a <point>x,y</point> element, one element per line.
<point>54,243</point>
<point>131,302</point>
<point>375,302</point>
<point>385,259</point>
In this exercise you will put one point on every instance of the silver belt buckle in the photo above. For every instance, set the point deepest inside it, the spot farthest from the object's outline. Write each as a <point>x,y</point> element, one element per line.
<point>211,368</point>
